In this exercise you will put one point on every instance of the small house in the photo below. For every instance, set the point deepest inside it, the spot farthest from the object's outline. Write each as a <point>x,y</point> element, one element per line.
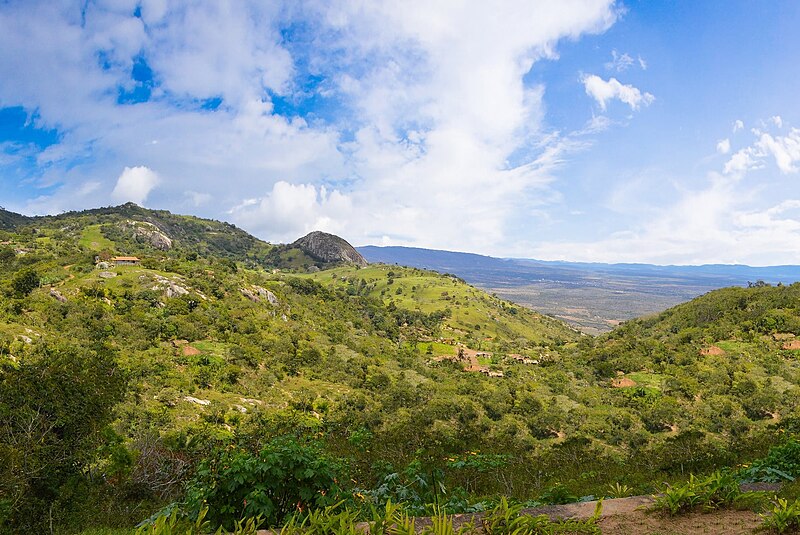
<point>125,261</point>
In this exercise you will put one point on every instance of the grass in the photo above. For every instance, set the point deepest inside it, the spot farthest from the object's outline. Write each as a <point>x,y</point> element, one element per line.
<point>732,346</point>
<point>647,380</point>
<point>92,238</point>
<point>472,311</point>
<point>438,348</point>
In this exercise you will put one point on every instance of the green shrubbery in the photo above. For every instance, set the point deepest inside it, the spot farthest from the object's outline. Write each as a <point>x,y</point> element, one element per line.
<point>286,476</point>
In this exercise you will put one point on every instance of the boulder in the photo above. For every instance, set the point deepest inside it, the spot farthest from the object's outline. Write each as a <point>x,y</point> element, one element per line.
<point>329,248</point>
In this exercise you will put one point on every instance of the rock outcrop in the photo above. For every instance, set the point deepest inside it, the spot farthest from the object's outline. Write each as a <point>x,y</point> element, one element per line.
<point>329,248</point>
<point>151,234</point>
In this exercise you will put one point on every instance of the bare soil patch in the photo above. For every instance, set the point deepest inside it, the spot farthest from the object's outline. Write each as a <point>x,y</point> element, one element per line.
<point>712,350</point>
<point>622,382</point>
<point>724,522</point>
<point>189,351</point>
<point>793,345</point>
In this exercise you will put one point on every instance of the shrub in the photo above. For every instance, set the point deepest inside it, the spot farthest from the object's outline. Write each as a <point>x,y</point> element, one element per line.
<point>24,282</point>
<point>782,463</point>
<point>285,476</point>
<point>784,516</point>
<point>718,490</point>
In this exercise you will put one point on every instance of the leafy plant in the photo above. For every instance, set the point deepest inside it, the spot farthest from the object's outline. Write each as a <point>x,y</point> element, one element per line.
<point>618,490</point>
<point>557,495</point>
<point>172,522</point>
<point>506,519</point>
<point>781,464</point>
<point>285,476</point>
<point>784,516</point>
<point>718,490</point>
<point>415,487</point>
<point>383,518</point>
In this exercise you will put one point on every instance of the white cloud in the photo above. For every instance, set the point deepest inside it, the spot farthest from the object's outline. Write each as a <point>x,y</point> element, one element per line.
<point>727,217</point>
<point>432,123</point>
<point>777,121</point>
<point>604,90</point>
<point>785,150</point>
<point>134,185</point>
<point>620,62</point>
<point>724,146</point>
<point>709,225</point>
<point>623,62</point>
<point>742,161</point>
<point>293,210</point>
<point>737,125</point>
<point>197,198</point>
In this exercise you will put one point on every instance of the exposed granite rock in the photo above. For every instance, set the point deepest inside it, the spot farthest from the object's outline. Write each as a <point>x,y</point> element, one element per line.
<point>151,234</point>
<point>329,248</point>
<point>55,294</point>
<point>257,294</point>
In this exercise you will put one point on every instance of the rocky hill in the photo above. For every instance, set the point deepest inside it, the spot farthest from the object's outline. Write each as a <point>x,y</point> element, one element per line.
<point>329,248</point>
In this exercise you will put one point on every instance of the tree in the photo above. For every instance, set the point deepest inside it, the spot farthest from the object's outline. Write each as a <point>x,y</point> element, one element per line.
<point>53,407</point>
<point>24,282</point>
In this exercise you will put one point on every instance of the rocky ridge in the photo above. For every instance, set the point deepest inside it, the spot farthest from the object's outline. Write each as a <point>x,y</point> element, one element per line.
<point>329,248</point>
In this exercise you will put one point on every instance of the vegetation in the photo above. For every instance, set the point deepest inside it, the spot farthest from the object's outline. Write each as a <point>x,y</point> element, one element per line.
<point>227,379</point>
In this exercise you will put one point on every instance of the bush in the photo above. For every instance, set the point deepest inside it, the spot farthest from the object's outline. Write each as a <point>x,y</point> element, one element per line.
<point>718,490</point>
<point>284,477</point>
<point>782,463</point>
<point>24,282</point>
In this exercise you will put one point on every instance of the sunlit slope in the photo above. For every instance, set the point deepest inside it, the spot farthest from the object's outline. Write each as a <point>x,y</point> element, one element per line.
<point>469,313</point>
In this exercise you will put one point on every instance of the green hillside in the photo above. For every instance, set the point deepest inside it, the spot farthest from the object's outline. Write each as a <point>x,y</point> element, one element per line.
<point>9,220</point>
<point>125,388</point>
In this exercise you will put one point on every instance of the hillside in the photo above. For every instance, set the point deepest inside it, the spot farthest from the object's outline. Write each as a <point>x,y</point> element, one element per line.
<point>122,384</point>
<point>9,220</point>
<point>592,297</point>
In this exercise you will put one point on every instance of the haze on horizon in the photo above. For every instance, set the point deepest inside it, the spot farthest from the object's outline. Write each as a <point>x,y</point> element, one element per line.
<point>583,130</point>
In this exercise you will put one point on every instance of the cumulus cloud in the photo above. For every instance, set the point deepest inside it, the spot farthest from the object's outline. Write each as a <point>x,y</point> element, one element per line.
<point>724,146</point>
<point>289,211</point>
<point>737,125</point>
<point>427,120</point>
<point>604,90</point>
<point>785,149</point>
<point>777,121</point>
<point>134,185</point>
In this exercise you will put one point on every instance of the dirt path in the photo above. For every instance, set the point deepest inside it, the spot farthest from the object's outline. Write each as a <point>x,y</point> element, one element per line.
<point>70,276</point>
<point>626,516</point>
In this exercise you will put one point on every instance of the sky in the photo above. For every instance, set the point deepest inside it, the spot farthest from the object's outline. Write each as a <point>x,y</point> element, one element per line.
<point>587,130</point>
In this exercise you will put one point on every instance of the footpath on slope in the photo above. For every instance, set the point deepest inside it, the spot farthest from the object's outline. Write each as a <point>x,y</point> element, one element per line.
<point>627,516</point>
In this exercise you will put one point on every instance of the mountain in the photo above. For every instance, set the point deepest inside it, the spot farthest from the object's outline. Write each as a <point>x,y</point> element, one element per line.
<point>329,248</point>
<point>591,297</point>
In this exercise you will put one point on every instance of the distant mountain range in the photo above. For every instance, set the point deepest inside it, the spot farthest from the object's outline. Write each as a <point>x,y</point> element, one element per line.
<point>592,296</point>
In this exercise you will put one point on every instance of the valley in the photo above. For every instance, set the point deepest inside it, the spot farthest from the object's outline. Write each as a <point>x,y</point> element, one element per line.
<point>594,298</point>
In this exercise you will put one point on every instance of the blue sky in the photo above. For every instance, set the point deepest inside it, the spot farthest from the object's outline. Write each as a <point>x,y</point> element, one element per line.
<point>663,132</point>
